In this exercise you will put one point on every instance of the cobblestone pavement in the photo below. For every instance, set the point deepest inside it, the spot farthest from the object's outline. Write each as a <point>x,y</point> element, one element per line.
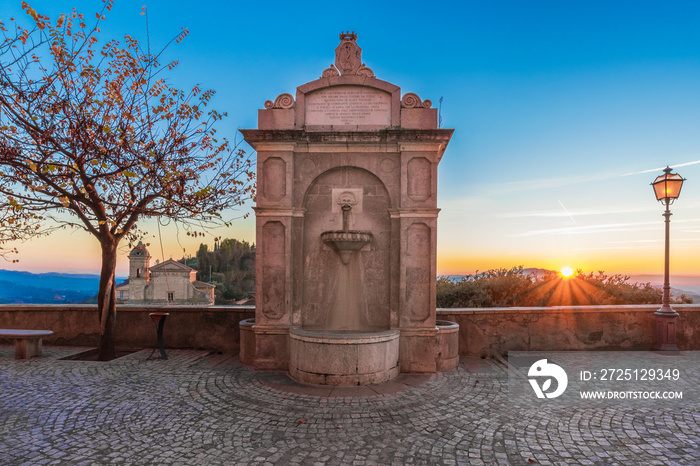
<point>202,408</point>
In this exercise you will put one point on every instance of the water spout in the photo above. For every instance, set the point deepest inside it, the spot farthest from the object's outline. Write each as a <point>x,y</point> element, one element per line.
<point>348,308</point>
<point>346,216</point>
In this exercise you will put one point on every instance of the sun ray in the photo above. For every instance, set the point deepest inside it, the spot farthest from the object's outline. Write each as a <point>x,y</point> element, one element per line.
<point>566,272</point>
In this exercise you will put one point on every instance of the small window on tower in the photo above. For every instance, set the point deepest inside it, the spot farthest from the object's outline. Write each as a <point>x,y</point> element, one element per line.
<point>138,273</point>
<point>171,296</point>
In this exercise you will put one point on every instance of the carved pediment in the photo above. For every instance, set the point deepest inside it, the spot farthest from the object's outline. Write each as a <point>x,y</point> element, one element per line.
<point>171,266</point>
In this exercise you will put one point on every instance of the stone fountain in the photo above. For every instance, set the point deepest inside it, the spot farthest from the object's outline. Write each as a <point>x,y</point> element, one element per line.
<point>354,305</point>
<point>347,349</point>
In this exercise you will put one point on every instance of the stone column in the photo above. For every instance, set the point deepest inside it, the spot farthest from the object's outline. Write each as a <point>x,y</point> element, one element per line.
<point>273,288</point>
<point>418,214</point>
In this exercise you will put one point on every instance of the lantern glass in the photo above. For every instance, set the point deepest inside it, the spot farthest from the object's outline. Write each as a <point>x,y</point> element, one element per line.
<point>668,186</point>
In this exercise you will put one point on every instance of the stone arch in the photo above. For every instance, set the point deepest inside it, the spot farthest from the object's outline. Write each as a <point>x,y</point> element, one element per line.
<point>318,181</point>
<point>321,264</point>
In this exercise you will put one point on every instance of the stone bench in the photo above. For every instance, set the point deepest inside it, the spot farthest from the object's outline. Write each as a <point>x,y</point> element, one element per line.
<point>27,342</point>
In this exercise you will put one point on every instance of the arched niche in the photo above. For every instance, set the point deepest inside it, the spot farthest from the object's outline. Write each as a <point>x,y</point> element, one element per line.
<point>322,269</point>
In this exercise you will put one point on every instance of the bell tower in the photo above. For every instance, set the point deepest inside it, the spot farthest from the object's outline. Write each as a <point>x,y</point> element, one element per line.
<point>139,263</point>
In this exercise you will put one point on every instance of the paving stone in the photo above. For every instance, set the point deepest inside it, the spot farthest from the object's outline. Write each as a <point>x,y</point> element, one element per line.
<point>189,410</point>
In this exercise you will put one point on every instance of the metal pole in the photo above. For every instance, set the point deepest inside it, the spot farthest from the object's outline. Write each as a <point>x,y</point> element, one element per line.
<point>666,301</point>
<point>666,304</point>
<point>161,344</point>
<point>666,317</point>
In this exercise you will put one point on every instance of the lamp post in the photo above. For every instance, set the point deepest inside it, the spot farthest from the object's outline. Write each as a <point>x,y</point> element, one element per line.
<point>667,188</point>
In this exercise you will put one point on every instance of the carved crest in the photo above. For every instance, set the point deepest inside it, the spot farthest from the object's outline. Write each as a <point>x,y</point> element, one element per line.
<point>348,55</point>
<point>348,58</point>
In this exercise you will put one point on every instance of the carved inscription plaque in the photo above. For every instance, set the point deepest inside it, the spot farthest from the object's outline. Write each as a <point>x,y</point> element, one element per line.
<point>348,105</point>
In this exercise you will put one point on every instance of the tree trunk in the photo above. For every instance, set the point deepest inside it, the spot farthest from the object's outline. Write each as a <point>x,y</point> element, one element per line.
<point>106,305</point>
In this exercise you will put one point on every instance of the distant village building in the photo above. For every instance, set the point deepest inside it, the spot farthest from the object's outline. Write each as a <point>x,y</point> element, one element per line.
<point>168,281</point>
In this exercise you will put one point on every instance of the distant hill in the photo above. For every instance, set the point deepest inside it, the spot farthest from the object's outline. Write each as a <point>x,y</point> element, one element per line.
<point>46,288</point>
<point>688,285</point>
<point>537,272</point>
<point>687,282</point>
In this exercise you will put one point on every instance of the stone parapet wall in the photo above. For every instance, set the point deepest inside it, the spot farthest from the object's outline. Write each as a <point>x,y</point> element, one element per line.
<point>495,331</point>
<point>482,332</point>
<point>207,327</point>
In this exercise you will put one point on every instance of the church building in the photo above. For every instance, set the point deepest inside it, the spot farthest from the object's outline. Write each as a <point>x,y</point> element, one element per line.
<point>166,282</point>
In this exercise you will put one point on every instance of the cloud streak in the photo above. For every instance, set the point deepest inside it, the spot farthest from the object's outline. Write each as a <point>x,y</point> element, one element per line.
<point>546,183</point>
<point>661,168</point>
<point>567,212</point>
<point>572,213</point>
<point>600,228</point>
<point>550,183</point>
<point>616,248</point>
<point>584,230</point>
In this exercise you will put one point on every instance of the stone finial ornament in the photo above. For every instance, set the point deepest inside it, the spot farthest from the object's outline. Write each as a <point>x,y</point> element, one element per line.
<point>348,55</point>
<point>348,58</point>
<point>411,100</point>
<point>285,100</point>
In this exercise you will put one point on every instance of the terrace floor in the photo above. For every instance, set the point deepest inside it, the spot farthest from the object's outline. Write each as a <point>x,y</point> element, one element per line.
<point>203,408</point>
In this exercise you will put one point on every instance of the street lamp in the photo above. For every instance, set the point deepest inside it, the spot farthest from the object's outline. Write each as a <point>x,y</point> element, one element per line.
<point>667,188</point>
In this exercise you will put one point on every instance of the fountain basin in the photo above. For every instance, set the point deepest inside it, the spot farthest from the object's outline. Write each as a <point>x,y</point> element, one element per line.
<point>343,358</point>
<point>447,350</point>
<point>346,242</point>
<point>247,338</point>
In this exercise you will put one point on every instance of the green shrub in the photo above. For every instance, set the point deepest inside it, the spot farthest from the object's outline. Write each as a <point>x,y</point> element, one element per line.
<point>514,287</point>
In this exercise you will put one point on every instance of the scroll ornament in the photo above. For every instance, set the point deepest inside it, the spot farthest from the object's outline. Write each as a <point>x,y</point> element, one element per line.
<point>285,100</point>
<point>332,71</point>
<point>411,100</point>
<point>364,71</point>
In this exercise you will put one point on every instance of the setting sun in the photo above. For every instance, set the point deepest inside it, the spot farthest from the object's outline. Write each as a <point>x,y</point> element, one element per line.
<point>566,272</point>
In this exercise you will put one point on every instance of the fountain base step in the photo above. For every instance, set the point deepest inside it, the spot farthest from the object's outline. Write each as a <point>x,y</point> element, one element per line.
<point>343,358</point>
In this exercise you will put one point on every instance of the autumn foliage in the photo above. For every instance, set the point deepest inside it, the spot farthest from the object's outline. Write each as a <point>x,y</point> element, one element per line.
<point>92,136</point>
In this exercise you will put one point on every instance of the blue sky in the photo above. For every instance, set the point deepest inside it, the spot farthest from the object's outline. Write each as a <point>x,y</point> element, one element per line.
<point>551,102</point>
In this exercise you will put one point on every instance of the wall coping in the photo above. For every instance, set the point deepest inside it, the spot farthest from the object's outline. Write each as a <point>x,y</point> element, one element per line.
<point>125,308</point>
<point>473,310</point>
<point>574,309</point>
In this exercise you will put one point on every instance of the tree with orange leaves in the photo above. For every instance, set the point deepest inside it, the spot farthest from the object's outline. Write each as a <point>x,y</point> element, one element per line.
<point>92,137</point>
<point>17,224</point>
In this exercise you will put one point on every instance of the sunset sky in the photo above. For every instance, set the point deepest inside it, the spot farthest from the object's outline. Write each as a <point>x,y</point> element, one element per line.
<point>564,113</point>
